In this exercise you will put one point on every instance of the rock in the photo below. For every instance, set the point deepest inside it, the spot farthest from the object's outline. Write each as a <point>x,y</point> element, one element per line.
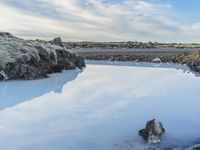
<point>156,60</point>
<point>152,132</point>
<point>57,41</point>
<point>6,34</point>
<point>26,60</point>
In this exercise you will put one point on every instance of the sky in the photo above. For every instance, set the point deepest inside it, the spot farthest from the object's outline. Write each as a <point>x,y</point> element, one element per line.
<point>103,20</point>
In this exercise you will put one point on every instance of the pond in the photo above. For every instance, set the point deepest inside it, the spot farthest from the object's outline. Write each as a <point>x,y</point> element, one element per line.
<point>100,108</point>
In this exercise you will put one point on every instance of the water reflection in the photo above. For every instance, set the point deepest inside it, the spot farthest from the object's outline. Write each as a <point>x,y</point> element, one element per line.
<point>14,92</point>
<point>102,109</point>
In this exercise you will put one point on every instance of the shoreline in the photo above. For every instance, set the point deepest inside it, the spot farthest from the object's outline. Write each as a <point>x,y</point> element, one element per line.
<point>188,57</point>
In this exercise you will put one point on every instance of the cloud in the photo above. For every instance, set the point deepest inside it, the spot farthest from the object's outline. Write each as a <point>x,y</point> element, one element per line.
<point>95,20</point>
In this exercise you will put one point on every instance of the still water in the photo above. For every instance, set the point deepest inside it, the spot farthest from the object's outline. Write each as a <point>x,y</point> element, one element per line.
<point>100,108</point>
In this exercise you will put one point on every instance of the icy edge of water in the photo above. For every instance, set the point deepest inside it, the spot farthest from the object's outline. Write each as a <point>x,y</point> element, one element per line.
<point>138,64</point>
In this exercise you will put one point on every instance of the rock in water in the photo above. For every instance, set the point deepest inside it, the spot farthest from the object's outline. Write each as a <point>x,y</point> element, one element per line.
<point>25,59</point>
<point>152,132</point>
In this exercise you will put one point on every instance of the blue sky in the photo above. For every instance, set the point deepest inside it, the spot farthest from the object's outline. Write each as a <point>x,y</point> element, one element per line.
<point>103,20</point>
<point>190,9</point>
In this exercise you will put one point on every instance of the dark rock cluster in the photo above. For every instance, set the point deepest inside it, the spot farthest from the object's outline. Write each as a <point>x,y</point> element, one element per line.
<point>110,45</point>
<point>191,59</point>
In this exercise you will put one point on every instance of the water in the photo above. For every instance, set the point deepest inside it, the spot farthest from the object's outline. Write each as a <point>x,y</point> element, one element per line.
<point>100,108</point>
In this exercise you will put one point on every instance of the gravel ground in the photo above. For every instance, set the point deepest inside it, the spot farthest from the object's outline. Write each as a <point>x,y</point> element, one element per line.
<point>156,52</point>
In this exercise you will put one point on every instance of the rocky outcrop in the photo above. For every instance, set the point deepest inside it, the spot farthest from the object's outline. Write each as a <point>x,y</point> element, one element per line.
<point>191,59</point>
<point>22,59</point>
<point>152,132</point>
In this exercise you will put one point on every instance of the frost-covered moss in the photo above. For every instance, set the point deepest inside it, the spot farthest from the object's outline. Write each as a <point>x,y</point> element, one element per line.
<point>34,59</point>
<point>12,47</point>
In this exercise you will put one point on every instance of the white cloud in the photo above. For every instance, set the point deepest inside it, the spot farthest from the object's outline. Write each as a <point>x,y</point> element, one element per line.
<point>95,20</point>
